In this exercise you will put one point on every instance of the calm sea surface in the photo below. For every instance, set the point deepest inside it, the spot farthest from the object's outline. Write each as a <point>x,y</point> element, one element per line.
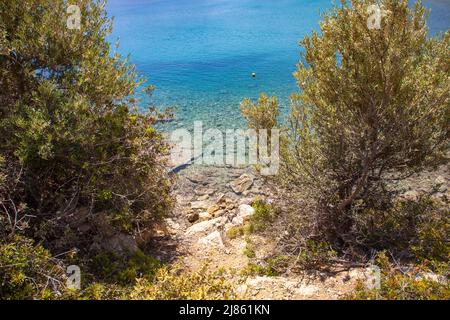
<point>200,54</point>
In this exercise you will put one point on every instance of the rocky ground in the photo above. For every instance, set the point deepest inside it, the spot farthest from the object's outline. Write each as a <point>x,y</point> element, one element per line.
<point>210,200</point>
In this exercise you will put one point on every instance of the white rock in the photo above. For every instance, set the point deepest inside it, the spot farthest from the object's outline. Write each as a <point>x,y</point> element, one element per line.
<point>213,239</point>
<point>203,227</point>
<point>204,215</point>
<point>246,211</point>
<point>172,224</point>
<point>242,290</point>
<point>201,204</point>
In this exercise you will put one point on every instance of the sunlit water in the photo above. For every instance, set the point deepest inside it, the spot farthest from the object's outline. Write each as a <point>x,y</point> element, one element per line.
<point>201,54</point>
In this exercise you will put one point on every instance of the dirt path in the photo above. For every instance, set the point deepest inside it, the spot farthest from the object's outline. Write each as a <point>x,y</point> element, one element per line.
<point>209,201</point>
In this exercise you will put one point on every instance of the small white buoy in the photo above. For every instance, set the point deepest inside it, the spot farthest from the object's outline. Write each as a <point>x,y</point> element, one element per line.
<point>254,74</point>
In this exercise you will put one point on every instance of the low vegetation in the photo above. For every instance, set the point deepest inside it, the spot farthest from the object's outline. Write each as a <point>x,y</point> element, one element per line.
<point>397,284</point>
<point>170,284</point>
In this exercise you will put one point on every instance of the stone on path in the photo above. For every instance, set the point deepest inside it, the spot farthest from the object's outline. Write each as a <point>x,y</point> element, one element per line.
<point>213,208</point>
<point>203,197</point>
<point>204,191</point>
<point>204,215</point>
<point>242,184</point>
<point>192,217</point>
<point>203,227</point>
<point>244,214</point>
<point>213,239</point>
<point>202,204</point>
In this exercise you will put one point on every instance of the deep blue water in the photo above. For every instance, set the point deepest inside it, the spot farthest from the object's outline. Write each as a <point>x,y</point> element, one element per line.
<point>200,54</point>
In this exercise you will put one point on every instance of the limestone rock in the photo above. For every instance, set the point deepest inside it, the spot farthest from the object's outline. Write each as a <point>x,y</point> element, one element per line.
<point>203,204</point>
<point>203,197</point>
<point>213,239</point>
<point>213,208</point>
<point>204,191</point>
<point>204,215</point>
<point>219,213</point>
<point>203,227</point>
<point>411,195</point>
<point>241,184</point>
<point>246,211</point>
<point>244,214</point>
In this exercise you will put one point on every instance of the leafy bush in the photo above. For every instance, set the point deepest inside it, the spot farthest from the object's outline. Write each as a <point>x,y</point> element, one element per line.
<point>28,271</point>
<point>114,268</point>
<point>263,216</point>
<point>315,255</point>
<point>371,109</point>
<point>234,232</point>
<point>263,114</point>
<point>70,135</point>
<point>75,154</point>
<point>270,267</point>
<point>367,107</point>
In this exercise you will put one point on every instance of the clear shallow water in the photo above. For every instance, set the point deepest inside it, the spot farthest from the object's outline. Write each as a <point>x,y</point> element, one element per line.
<point>200,54</point>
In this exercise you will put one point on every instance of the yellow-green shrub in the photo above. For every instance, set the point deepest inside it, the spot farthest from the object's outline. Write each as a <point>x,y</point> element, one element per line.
<point>263,216</point>
<point>171,284</point>
<point>124,270</point>
<point>397,285</point>
<point>27,271</point>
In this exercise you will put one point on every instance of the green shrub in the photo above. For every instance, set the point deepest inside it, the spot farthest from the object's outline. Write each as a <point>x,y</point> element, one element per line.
<point>249,251</point>
<point>235,232</point>
<point>263,216</point>
<point>72,143</point>
<point>368,110</point>
<point>270,267</point>
<point>263,114</point>
<point>124,270</point>
<point>27,271</point>
<point>315,255</point>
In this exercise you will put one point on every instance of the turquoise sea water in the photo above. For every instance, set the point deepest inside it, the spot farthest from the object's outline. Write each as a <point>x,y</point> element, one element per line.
<point>200,54</point>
